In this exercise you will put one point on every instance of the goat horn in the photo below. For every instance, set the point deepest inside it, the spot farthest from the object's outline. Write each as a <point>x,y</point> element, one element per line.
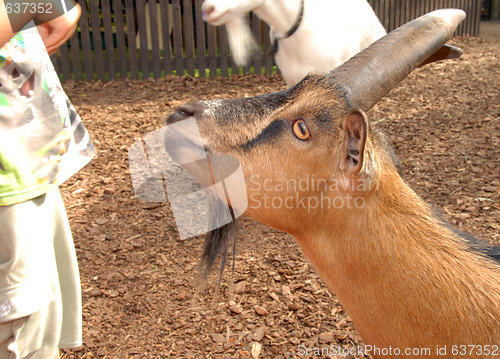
<point>372,73</point>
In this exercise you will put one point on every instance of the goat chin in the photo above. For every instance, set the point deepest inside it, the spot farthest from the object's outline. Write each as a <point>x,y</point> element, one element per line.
<point>240,38</point>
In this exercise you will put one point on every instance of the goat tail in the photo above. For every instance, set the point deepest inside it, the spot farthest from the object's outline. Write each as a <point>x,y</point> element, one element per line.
<point>241,41</point>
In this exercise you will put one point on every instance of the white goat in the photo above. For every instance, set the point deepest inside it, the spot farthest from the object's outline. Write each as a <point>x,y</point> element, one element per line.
<point>304,29</point>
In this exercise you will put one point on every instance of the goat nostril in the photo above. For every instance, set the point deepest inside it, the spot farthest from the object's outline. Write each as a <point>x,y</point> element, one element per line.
<point>184,112</point>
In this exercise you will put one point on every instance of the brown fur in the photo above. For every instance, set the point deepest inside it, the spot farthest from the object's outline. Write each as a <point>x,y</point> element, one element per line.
<point>406,279</point>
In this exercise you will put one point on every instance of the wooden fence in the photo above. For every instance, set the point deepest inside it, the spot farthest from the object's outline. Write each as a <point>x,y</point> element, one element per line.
<point>118,39</point>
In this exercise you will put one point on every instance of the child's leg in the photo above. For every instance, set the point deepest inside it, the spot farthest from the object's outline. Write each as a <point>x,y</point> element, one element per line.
<point>35,336</point>
<point>36,256</point>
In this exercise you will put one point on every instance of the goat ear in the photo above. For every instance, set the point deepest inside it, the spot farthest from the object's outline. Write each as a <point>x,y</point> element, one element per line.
<point>353,146</point>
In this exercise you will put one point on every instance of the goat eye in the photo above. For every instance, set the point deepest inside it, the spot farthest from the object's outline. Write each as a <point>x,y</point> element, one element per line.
<point>300,130</point>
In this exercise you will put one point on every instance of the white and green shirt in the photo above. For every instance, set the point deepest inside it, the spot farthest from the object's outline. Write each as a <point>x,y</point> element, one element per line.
<point>42,139</point>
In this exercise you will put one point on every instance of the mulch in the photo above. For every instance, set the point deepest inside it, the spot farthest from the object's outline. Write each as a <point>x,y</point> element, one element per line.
<point>141,291</point>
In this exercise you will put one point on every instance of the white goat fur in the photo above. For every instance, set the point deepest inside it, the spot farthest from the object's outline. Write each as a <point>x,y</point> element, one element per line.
<point>352,23</point>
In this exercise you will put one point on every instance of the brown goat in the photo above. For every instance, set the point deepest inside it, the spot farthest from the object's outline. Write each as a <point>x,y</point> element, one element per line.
<point>407,279</point>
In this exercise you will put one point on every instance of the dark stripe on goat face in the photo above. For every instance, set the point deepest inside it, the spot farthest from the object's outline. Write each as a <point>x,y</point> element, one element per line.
<point>269,134</point>
<point>312,94</point>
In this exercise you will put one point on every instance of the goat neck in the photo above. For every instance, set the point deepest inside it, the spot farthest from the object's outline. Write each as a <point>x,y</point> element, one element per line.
<point>405,278</point>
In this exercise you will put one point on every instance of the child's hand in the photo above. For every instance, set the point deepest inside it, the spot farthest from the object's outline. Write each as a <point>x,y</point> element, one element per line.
<point>56,32</point>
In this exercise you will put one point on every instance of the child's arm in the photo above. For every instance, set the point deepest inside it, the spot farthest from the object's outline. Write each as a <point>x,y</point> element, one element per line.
<point>56,32</point>
<point>54,25</point>
<point>5,29</point>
